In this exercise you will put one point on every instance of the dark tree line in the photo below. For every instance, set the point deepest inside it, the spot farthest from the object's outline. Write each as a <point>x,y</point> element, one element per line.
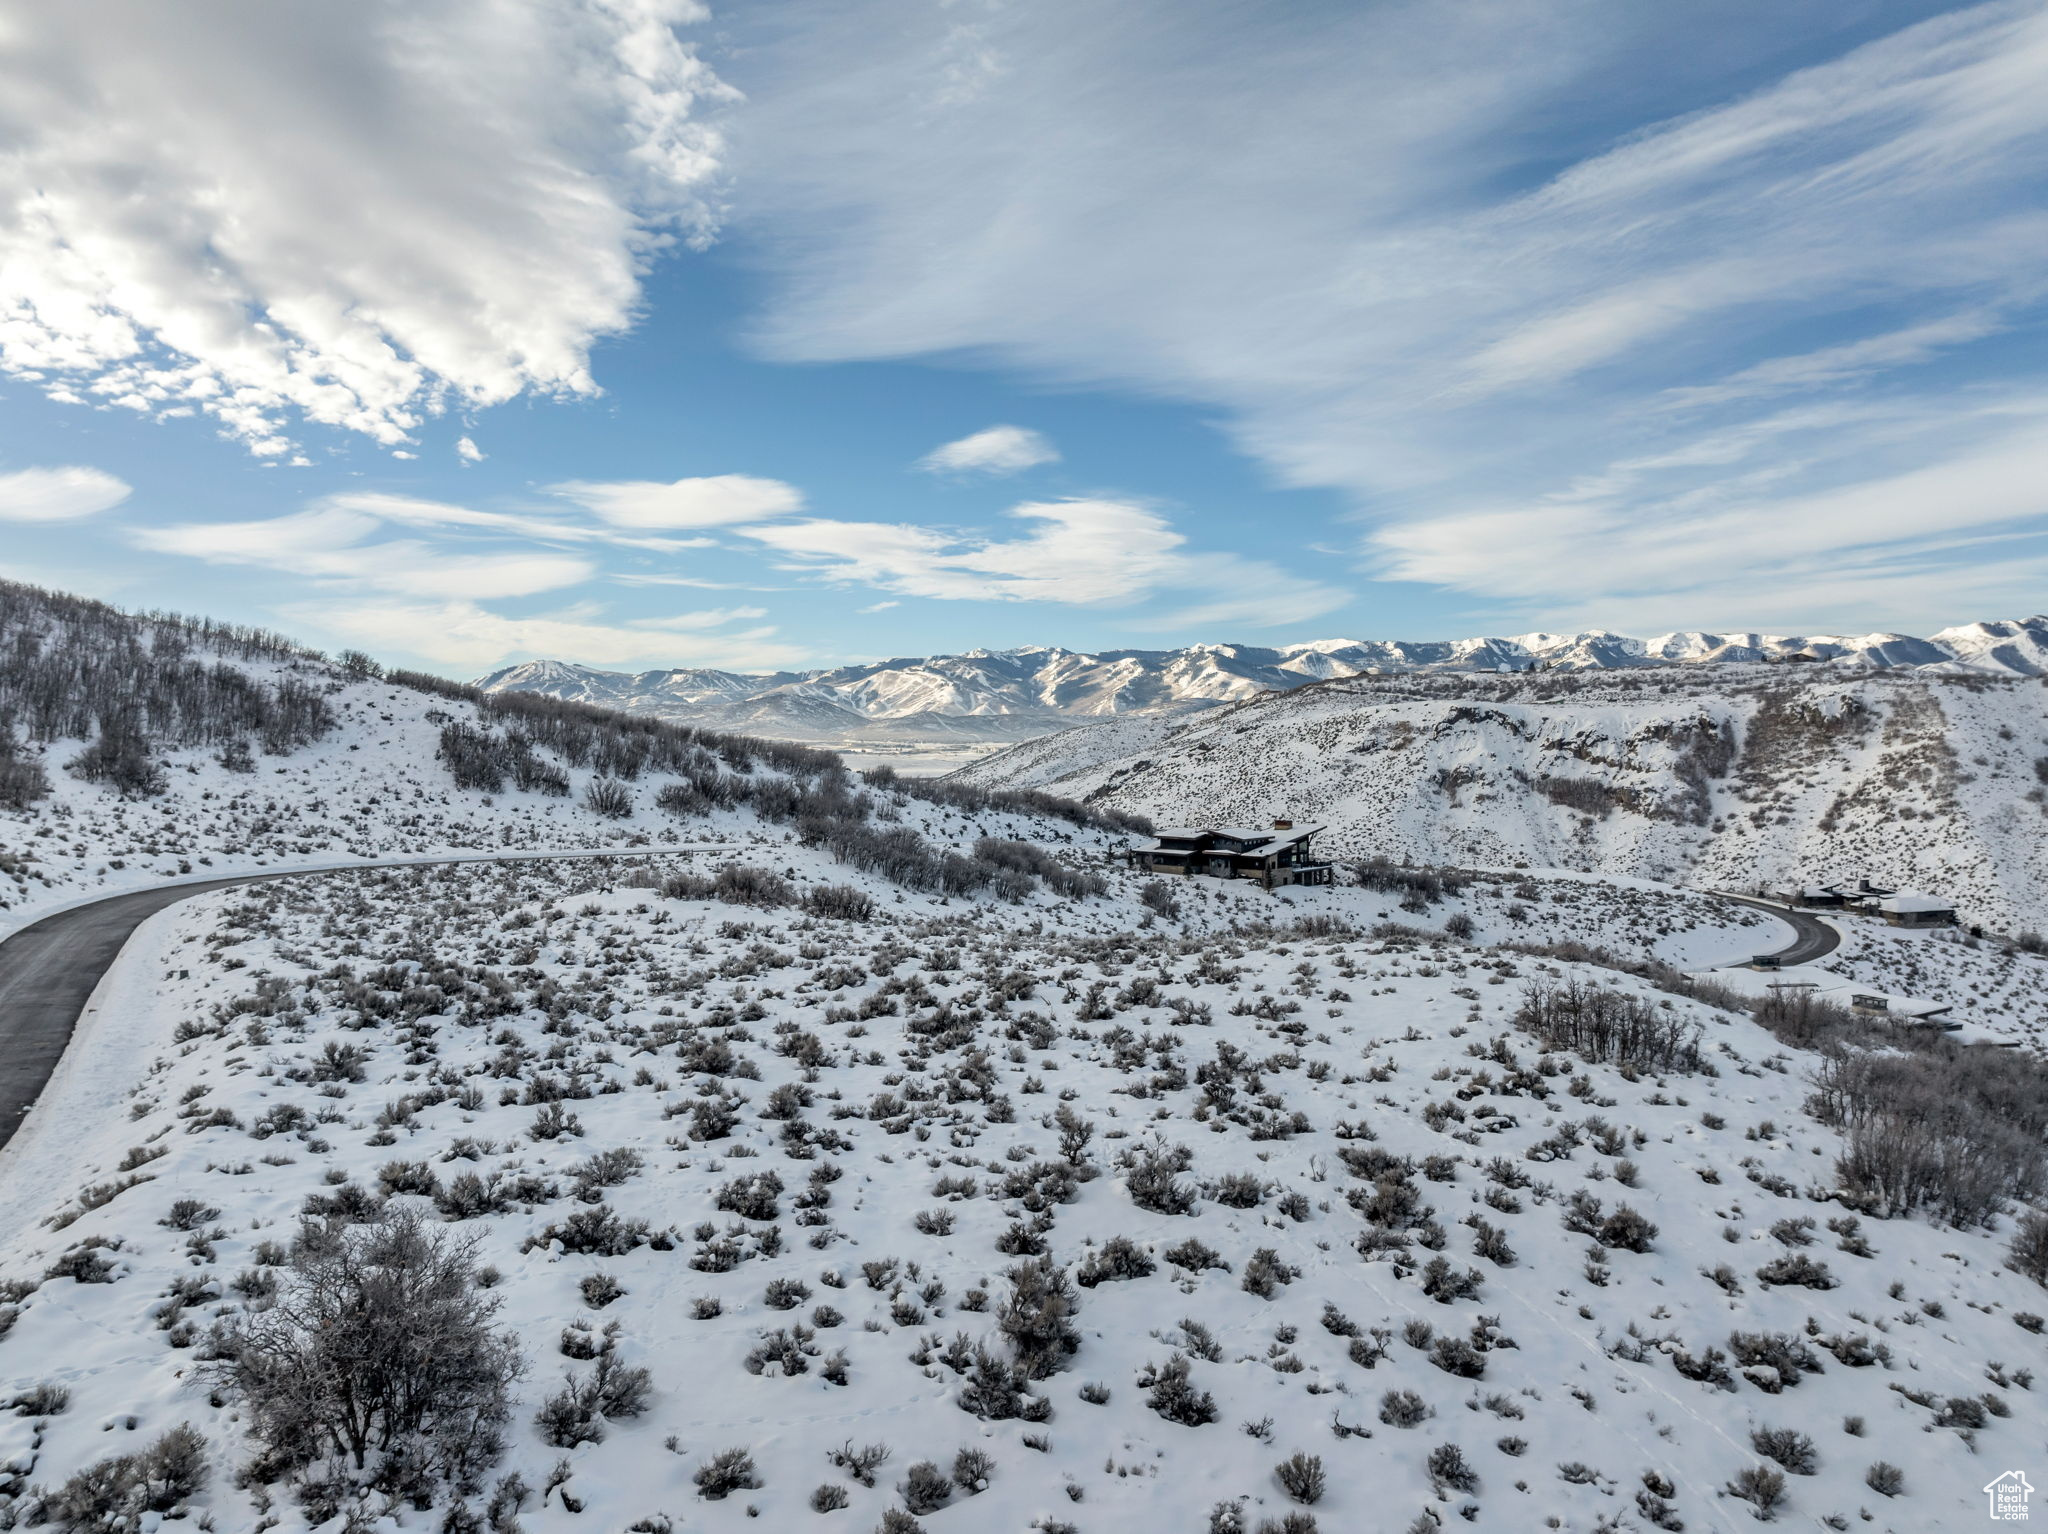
<point>74,669</point>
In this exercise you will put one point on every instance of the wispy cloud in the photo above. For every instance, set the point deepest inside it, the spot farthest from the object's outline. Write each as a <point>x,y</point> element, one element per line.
<point>59,495</point>
<point>332,543</point>
<point>460,633</point>
<point>1088,553</point>
<point>994,450</point>
<point>354,216</point>
<point>1363,252</point>
<point>718,500</point>
<point>1885,531</point>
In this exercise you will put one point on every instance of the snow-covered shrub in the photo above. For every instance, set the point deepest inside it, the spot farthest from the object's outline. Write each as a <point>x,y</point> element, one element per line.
<point>2027,1252</point>
<point>752,1198</point>
<point>1117,1258</point>
<point>1454,1355</point>
<point>1170,1391</point>
<point>1627,1229</point>
<point>121,1492</point>
<point>998,1390</point>
<point>1196,1256</point>
<point>379,1343</point>
<point>594,1232</point>
<point>1037,1317</point>
<point>1762,1487</point>
<point>1796,1270</point>
<point>1444,1283</point>
<point>46,1399</point>
<point>1152,1175</point>
<point>609,1391</point>
<point>726,1472</point>
<point>926,1488</point>
<point>1449,1470</point>
<point>743,884</point>
<point>1772,1360</point>
<point>1885,1478</point>
<point>971,1470</point>
<point>1302,1477</point>
<point>1793,1450</point>
<point>1264,1273</point>
<point>1403,1408</point>
<point>839,902</point>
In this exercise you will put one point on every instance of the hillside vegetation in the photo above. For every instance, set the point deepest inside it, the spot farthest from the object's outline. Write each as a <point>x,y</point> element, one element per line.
<point>728,1203</point>
<point>1736,778</point>
<point>137,748</point>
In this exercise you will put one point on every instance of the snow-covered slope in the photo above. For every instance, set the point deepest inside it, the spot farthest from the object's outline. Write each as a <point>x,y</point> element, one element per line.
<point>135,751</point>
<point>1731,778</point>
<point>1340,1243</point>
<point>1044,686</point>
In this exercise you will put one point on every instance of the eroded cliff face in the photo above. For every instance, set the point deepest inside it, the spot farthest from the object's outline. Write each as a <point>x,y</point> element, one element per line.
<point>1762,776</point>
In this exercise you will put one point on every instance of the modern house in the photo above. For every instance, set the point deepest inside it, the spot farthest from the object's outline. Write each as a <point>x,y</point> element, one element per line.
<point>1815,897</point>
<point>1273,857</point>
<point>1902,908</point>
<point>1910,908</point>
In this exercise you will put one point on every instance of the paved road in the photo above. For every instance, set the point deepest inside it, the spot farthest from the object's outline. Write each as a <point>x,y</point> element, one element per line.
<point>1815,940</point>
<point>49,968</point>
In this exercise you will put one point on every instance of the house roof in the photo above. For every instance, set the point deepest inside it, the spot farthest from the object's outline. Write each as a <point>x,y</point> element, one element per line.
<point>1284,840</point>
<point>1263,843</point>
<point>1912,900</point>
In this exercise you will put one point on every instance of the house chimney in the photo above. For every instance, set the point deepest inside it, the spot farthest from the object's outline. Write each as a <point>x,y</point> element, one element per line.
<point>1283,825</point>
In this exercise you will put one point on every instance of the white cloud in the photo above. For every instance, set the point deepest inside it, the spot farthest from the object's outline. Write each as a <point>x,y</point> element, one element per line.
<point>1346,230</point>
<point>996,450</point>
<point>468,451</point>
<point>1897,535</point>
<point>351,214</point>
<point>327,543</point>
<point>1091,553</point>
<point>710,618</point>
<point>719,500</point>
<point>413,512</point>
<point>58,495</point>
<point>459,633</point>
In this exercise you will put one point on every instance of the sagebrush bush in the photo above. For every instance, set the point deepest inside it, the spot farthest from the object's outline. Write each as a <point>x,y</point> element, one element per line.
<point>379,1342</point>
<point>1301,1476</point>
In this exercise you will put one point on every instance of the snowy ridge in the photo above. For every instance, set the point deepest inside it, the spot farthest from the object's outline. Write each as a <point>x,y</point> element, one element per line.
<point>1043,686</point>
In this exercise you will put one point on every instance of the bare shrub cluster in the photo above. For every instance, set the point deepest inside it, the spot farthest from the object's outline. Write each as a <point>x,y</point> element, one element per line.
<point>1609,1026</point>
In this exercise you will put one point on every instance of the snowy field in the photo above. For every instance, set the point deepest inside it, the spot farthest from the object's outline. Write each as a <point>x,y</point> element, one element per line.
<point>1311,1192</point>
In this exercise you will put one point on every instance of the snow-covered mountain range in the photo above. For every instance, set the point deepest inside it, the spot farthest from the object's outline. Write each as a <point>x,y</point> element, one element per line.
<point>1005,695</point>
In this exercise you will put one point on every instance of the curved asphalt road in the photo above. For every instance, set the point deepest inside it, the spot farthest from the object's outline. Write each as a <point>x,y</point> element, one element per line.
<point>1815,940</point>
<point>49,968</point>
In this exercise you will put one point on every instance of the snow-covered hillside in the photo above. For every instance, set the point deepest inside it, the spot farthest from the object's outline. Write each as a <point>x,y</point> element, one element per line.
<point>134,751</point>
<point>1267,1213</point>
<point>1001,695</point>
<point>1728,778</point>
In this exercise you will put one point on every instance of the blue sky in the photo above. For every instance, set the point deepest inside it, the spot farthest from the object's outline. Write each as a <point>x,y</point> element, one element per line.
<point>787,335</point>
